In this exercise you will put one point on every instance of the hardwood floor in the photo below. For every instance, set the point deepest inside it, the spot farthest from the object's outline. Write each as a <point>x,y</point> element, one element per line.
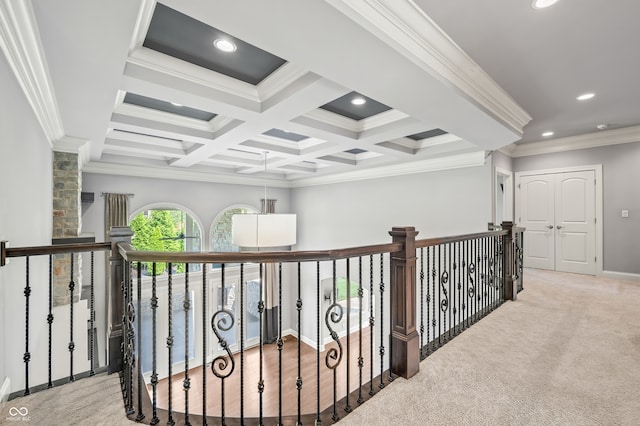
<point>271,372</point>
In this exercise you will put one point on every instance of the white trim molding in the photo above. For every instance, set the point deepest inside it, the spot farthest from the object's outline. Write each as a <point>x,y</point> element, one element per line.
<point>5,392</point>
<point>404,26</point>
<point>570,143</point>
<point>20,42</point>
<point>471,159</point>
<point>621,275</point>
<point>435,164</point>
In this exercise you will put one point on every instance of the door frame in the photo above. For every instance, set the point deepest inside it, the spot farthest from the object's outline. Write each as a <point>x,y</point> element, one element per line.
<point>597,169</point>
<point>508,194</point>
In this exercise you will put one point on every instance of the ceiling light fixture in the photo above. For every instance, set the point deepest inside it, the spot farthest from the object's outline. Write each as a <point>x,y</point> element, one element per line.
<point>225,45</point>
<point>358,101</point>
<point>602,126</point>
<point>541,4</point>
<point>585,96</point>
<point>176,104</point>
<point>547,134</point>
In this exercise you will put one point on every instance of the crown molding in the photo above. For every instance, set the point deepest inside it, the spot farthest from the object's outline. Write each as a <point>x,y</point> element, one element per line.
<point>176,174</point>
<point>435,164</point>
<point>571,143</point>
<point>20,42</point>
<point>356,126</point>
<point>158,62</point>
<point>405,27</point>
<point>143,21</point>
<point>73,145</point>
<point>278,80</point>
<point>163,117</point>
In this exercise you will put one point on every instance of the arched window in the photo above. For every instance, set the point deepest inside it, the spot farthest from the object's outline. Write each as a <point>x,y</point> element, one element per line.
<point>220,235</point>
<point>166,228</point>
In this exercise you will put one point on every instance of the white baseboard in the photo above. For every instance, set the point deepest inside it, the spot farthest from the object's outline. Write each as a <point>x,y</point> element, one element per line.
<point>621,275</point>
<point>4,392</point>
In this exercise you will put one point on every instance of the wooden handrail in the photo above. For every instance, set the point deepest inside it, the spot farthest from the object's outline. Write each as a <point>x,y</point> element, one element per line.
<point>53,249</point>
<point>457,238</point>
<point>130,254</point>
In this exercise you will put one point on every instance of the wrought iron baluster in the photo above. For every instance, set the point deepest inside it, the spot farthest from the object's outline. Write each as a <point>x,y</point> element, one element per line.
<point>451,293</point>
<point>360,358</point>
<point>440,311</point>
<point>170,421</point>
<point>130,336</point>
<point>382,349</point>
<point>319,295</point>
<point>444,304</point>
<point>279,343</point>
<point>299,378</point>
<point>221,321</point>
<point>92,318</point>
<point>72,345</point>
<point>334,355</point>
<point>204,344</point>
<point>347,406</point>
<point>261,312</point>
<point>372,323</point>
<point>242,325</point>
<point>140,415</point>
<point>186,305</point>
<point>422,354</point>
<point>391,377</point>
<point>459,287</point>
<point>50,319</point>
<point>465,279</point>
<point>471,291</point>
<point>27,355</point>
<point>154,337</point>
<point>433,298</point>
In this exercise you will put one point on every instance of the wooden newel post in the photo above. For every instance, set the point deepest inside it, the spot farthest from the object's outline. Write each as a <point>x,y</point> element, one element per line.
<point>405,354</point>
<point>508,262</point>
<point>117,234</point>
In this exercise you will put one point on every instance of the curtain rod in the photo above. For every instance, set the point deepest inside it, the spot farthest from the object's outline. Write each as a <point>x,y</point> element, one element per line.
<point>106,193</point>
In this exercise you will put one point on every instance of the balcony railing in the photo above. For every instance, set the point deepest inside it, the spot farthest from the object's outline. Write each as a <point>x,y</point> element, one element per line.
<point>192,344</point>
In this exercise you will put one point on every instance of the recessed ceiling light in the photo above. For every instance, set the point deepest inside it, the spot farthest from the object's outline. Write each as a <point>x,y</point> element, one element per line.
<point>547,134</point>
<point>602,126</point>
<point>225,45</point>
<point>585,96</point>
<point>541,4</point>
<point>358,101</point>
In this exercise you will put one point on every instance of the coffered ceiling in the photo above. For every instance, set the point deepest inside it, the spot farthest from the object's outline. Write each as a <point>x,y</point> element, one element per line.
<point>139,88</point>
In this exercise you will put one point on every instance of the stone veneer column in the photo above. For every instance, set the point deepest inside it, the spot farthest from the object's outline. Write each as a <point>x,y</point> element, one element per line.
<point>67,181</point>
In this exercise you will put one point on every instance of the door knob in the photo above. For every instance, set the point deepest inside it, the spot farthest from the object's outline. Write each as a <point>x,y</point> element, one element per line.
<point>550,226</point>
<point>558,227</point>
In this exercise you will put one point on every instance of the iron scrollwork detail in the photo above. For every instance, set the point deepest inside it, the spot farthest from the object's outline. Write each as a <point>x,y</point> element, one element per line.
<point>334,355</point>
<point>221,321</point>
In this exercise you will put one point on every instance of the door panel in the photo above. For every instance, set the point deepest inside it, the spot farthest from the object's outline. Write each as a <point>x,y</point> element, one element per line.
<point>537,217</point>
<point>575,222</point>
<point>558,211</point>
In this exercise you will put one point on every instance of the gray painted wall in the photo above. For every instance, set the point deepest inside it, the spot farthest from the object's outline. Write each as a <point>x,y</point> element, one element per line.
<point>25,220</point>
<point>621,190</point>
<point>361,213</point>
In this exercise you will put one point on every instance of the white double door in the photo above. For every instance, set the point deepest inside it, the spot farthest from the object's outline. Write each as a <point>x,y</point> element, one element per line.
<point>558,212</point>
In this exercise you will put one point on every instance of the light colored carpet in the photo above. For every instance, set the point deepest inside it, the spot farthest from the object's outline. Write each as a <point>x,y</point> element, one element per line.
<point>566,353</point>
<point>90,401</point>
